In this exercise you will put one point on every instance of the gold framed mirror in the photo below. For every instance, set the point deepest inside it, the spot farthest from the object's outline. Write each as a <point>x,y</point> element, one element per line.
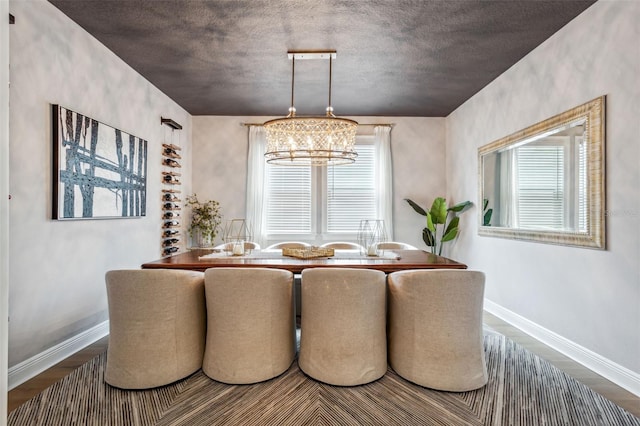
<point>546,182</point>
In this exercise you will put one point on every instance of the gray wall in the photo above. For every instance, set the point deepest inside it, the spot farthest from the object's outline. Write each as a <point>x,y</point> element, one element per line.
<point>417,149</point>
<point>590,297</point>
<point>57,268</point>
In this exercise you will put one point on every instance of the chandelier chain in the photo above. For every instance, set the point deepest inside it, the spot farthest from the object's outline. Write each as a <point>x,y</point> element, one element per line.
<point>292,110</point>
<point>329,108</point>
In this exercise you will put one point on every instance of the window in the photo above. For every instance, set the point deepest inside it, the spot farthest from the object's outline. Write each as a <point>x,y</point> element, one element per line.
<point>318,204</point>
<point>321,203</point>
<point>351,193</point>
<point>289,200</point>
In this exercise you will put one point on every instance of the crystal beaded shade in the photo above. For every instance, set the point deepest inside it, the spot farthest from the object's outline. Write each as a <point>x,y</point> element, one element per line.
<point>315,141</point>
<point>311,141</point>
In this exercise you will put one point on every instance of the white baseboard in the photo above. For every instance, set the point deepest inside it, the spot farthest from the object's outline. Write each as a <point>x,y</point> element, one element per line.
<point>616,373</point>
<point>35,365</point>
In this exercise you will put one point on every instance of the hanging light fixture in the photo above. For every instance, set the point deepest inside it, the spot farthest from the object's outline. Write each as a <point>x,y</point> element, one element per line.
<point>315,141</point>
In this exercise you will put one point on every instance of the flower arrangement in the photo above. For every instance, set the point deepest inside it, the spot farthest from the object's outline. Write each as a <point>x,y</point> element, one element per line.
<point>205,218</point>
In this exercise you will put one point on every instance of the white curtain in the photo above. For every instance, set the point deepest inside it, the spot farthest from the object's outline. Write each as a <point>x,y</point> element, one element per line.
<point>256,174</point>
<point>508,207</point>
<point>384,176</point>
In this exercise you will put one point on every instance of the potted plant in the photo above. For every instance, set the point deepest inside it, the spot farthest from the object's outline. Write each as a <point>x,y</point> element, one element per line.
<point>205,220</point>
<point>435,236</point>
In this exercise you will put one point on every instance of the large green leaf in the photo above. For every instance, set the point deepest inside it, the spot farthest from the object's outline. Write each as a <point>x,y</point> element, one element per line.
<point>450,235</point>
<point>460,207</point>
<point>487,218</point>
<point>453,223</point>
<point>439,210</point>
<point>416,207</point>
<point>428,238</point>
<point>430,226</point>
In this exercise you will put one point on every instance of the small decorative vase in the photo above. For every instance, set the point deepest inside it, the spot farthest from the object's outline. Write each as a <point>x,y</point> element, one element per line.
<point>200,240</point>
<point>236,232</point>
<point>370,234</point>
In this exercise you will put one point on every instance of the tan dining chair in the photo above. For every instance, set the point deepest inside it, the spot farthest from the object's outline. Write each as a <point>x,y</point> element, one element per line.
<point>390,245</point>
<point>435,328</point>
<point>157,323</point>
<point>250,324</point>
<point>296,283</point>
<point>342,245</point>
<point>288,244</point>
<point>342,329</point>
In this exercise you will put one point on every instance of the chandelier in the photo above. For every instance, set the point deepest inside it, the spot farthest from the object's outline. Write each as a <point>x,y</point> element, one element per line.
<point>315,141</point>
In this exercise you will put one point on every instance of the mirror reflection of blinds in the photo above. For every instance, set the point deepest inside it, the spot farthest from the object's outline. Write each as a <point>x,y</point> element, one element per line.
<point>540,183</point>
<point>351,192</point>
<point>582,186</point>
<point>289,199</point>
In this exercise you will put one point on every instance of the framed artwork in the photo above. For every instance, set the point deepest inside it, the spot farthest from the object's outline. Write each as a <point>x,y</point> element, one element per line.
<point>98,171</point>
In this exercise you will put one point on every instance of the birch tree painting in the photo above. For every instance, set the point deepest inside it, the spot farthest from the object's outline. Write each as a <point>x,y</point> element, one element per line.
<point>99,171</point>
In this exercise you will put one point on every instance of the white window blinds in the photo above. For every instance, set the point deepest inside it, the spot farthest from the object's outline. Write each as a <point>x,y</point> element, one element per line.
<point>351,192</point>
<point>318,204</point>
<point>288,200</point>
<point>582,186</point>
<point>540,180</point>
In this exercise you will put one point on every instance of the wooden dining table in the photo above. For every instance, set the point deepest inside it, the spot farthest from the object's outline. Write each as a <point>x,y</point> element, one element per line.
<point>389,261</point>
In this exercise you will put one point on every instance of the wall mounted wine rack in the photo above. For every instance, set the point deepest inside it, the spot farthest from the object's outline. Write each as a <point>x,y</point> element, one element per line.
<point>171,233</point>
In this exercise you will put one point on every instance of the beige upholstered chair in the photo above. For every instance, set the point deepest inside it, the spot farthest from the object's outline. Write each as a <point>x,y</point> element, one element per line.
<point>251,328</point>
<point>293,245</point>
<point>342,336</point>
<point>390,245</point>
<point>435,328</point>
<point>288,244</point>
<point>342,245</point>
<point>157,321</point>
<point>250,245</point>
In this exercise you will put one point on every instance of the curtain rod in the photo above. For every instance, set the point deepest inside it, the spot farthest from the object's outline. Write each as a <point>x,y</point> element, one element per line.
<point>359,124</point>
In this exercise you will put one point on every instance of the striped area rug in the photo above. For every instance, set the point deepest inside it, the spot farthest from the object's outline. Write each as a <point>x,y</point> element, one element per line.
<point>523,389</point>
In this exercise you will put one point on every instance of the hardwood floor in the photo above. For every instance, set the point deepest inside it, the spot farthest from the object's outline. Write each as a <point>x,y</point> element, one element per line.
<point>32,387</point>
<point>596,382</point>
<point>599,384</point>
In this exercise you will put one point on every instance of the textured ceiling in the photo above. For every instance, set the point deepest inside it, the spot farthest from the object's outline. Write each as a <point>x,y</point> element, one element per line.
<point>394,58</point>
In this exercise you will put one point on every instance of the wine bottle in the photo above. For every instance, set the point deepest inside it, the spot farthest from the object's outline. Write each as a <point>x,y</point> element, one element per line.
<point>170,250</point>
<point>171,223</point>
<point>170,197</point>
<point>170,232</point>
<point>170,215</point>
<point>171,163</point>
<point>170,241</point>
